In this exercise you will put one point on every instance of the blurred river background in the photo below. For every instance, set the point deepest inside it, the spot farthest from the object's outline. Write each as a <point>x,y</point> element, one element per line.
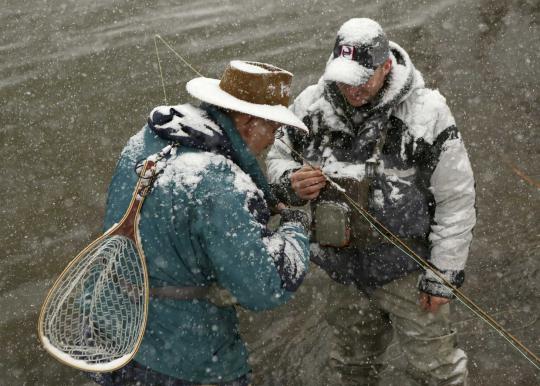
<point>78,78</point>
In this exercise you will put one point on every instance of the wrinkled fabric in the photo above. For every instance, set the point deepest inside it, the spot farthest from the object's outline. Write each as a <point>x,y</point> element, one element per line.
<point>204,222</point>
<point>365,327</point>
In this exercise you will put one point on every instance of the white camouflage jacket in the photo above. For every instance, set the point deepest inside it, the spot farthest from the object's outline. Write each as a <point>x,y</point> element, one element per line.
<point>424,186</point>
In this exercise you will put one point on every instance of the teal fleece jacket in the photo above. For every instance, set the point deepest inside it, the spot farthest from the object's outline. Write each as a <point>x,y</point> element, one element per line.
<point>205,222</point>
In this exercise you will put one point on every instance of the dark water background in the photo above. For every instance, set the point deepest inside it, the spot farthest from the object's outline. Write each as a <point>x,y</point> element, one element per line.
<point>78,78</point>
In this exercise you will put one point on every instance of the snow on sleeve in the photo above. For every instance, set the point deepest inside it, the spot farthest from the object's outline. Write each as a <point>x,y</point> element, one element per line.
<point>135,146</point>
<point>288,248</point>
<point>336,169</point>
<point>279,159</point>
<point>429,116</point>
<point>452,184</point>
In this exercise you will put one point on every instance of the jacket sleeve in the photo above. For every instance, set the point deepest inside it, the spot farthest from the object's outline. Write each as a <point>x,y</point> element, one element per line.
<point>453,188</point>
<point>259,268</point>
<point>280,162</point>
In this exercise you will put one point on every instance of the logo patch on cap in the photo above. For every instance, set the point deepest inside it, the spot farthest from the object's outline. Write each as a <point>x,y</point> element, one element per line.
<point>347,52</point>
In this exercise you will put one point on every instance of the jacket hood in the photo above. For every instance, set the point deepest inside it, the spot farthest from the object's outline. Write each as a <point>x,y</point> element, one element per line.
<point>402,79</point>
<point>189,126</point>
<point>208,129</point>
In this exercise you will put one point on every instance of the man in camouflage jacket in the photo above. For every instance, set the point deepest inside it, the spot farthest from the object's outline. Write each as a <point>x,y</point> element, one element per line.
<point>371,106</point>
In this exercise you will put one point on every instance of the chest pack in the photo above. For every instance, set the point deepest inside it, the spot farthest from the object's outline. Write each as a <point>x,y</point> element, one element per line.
<point>335,223</point>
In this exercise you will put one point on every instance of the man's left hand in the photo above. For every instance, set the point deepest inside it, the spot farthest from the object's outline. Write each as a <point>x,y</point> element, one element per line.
<point>280,207</point>
<point>431,303</point>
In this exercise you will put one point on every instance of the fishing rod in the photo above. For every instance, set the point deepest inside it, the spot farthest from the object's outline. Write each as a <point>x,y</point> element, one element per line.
<point>403,247</point>
<point>394,240</point>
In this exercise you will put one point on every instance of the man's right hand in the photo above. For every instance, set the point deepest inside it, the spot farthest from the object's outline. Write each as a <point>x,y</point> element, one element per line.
<point>308,182</point>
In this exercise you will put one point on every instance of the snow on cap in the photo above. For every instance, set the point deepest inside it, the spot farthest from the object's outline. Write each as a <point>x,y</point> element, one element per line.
<point>361,46</point>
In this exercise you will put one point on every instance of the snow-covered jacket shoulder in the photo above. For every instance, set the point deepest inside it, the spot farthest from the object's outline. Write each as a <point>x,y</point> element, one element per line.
<point>425,114</point>
<point>228,216</point>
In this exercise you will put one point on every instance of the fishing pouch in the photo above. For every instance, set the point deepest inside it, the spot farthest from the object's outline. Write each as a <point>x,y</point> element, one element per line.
<point>338,224</point>
<point>332,224</point>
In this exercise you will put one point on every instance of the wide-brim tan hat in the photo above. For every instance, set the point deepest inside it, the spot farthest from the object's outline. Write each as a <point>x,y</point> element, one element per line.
<point>253,88</point>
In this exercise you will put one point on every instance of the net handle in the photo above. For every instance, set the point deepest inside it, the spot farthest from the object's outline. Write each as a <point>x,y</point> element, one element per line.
<point>128,224</point>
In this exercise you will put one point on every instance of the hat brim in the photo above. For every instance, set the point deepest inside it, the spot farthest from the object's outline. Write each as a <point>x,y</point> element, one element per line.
<point>208,90</point>
<point>346,71</point>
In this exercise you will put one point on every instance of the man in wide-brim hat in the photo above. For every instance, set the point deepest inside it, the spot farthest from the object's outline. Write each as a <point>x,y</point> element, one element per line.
<point>205,225</point>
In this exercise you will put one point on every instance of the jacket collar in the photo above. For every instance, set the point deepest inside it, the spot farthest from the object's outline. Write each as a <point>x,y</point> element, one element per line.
<point>239,153</point>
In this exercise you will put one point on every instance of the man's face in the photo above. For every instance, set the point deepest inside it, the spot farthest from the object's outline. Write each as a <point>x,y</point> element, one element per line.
<point>260,134</point>
<point>360,95</point>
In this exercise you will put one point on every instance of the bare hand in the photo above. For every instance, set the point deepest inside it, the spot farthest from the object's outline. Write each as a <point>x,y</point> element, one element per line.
<point>431,303</point>
<point>308,182</point>
<point>278,208</point>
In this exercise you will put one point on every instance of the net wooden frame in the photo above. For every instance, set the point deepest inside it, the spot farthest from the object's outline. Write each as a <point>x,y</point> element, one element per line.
<point>69,353</point>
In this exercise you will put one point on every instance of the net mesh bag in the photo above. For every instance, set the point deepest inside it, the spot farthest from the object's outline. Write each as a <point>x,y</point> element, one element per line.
<point>94,318</point>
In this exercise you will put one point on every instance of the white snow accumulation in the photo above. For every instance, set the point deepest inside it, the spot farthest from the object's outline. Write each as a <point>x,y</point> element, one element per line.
<point>359,31</point>
<point>248,67</point>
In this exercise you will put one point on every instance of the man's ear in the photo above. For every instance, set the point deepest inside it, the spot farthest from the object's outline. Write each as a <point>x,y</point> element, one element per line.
<point>250,122</point>
<point>387,66</point>
<point>242,120</point>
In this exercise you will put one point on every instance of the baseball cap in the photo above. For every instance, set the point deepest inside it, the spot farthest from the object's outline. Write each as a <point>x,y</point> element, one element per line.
<point>361,46</point>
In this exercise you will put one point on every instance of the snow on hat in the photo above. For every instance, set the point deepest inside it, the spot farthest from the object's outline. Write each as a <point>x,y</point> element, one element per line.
<point>253,88</point>
<point>361,46</point>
